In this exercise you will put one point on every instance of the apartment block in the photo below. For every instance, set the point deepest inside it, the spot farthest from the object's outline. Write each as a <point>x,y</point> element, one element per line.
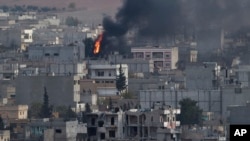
<point>163,58</point>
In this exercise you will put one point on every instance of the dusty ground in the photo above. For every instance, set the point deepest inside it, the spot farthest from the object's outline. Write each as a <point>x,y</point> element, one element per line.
<point>88,11</point>
<point>96,4</point>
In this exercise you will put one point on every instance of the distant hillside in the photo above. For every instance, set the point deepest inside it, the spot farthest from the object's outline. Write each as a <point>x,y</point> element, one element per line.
<point>96,4</point>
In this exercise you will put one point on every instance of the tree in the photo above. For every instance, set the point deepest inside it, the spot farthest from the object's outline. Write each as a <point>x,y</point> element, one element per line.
<point>1,123</point>
<point>69,114</point>
<point>34,110</point>
<point>127,95</point>
<point>121,80</point>
<point>71,21</point>
<point>46,110</point>
<point>72,5</point>
<point>190,112</point>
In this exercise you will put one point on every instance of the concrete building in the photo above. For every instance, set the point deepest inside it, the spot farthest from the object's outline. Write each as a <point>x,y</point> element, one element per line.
<point>239,114</point>
<point>26,38</point>
<point>10,37</point>
<point>202,76</point>
<point>105,77</point>
<point>8,71</point>
<point>62,90</point>
<point>4,15</point>
<point>105,126</point>
<point>154,124</point>
<point>66,68</point>
<point>215,101</point>
<point>27,16</point>
<point>163,58</point>
<point>54,130</point>
<point>88,93</point>
<point>4,135</point>
<point>243,75</point>
<point>47,35</point>
<point>55,53</point>
<point>14,112</point>
<point>136,66</point>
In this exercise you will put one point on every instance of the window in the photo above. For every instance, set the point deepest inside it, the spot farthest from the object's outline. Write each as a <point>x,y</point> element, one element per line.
<point>167,56</point>
<point>100,73</point>
<point>97,81</point>
<point>46,54</point>
<point>58,131</point>
<point>109,73</point>
<point>112,134</point>
<point>157,55</point>
<point>93,121</point>
<point>56,54</point>
<point>26,36</point>
<point>112,120</point>
<point>100,123</point>
<point>102,136</point>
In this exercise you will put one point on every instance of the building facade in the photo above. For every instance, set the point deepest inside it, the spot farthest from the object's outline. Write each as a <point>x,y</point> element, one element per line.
<point>14,112</point>
<point>105,76</point>
<point>163,58</point>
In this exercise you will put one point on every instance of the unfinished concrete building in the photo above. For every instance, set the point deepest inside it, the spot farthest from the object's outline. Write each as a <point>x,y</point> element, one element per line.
<point>155,124</point>
<point>104,126</point>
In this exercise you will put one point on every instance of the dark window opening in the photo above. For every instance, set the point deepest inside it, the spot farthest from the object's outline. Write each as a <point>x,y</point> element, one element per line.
<point>56,54</point>
<point>91,131</point>
<point>102,136</point>
<point>112,134</point>
<point>100,123</point>
<point>47,54</point>
<point>112,120</point>
<point>100,73</point>
<point>58,131</point>
<point>93,121</point>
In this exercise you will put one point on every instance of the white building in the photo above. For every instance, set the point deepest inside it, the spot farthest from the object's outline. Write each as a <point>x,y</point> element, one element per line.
<point>106,75</point>
<point>163,58</point>
<point>27,16</point>
<point>4,135</point>
<point>26,38</point>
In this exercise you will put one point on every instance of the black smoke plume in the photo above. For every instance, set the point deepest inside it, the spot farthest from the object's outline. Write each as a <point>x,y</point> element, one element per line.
<point>146,17</point>
<point>160,18</point>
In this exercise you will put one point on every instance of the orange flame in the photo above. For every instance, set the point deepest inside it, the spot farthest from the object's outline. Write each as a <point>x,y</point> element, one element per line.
<point>98,44</point>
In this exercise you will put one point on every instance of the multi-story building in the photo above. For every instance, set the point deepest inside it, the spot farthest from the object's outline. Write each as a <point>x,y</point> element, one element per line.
<point>54,130</point>
<point>8,71</point>
<point>163,58</point>
<point>56,53</point>
<point>105,76</point>
<point>153,124</point>
<point>239,114</point>
<point>14,112</point>
<point>26,38</point>
<point>105,126</point>
<point>4,135</point>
